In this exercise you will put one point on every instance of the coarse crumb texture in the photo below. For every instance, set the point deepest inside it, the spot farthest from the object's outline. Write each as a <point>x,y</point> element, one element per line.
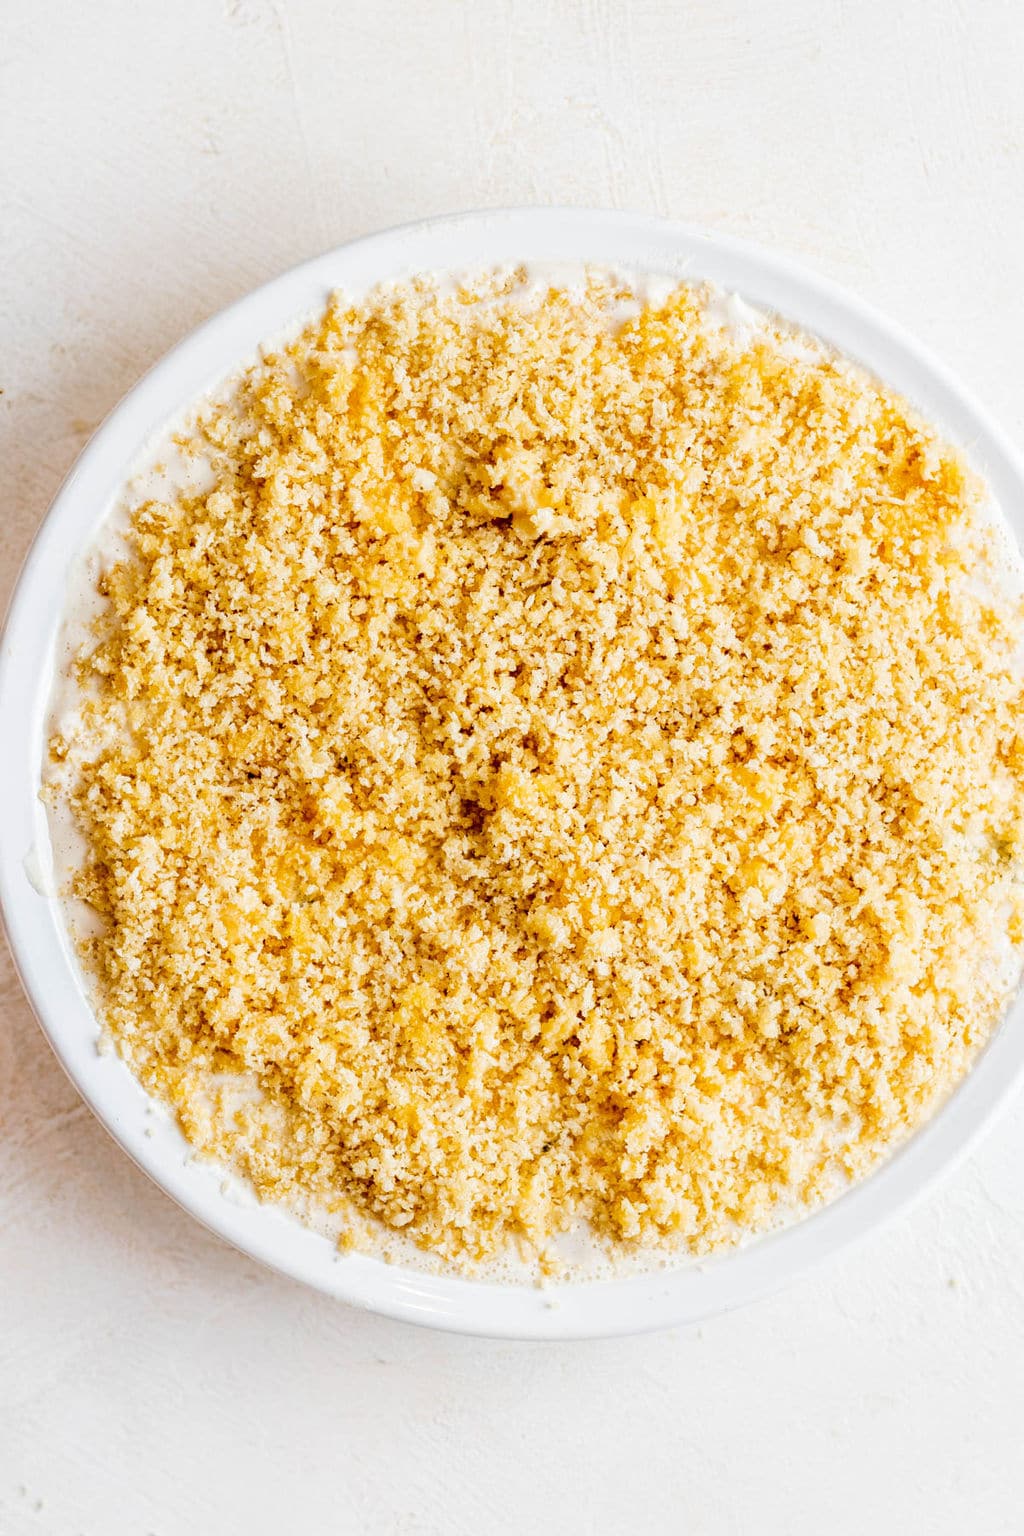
<point>570,767</point>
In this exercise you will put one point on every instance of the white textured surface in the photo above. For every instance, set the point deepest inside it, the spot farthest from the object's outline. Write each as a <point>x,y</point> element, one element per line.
<point>158,161</point>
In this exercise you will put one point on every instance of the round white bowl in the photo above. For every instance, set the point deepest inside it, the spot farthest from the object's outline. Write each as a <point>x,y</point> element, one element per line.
<point>34,922</point>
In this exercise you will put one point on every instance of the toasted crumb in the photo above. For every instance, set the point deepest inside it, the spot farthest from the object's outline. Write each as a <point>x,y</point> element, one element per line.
<point>569,770</point>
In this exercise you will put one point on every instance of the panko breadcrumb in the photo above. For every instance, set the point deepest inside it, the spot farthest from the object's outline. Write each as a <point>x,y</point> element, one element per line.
<point>569,768</point>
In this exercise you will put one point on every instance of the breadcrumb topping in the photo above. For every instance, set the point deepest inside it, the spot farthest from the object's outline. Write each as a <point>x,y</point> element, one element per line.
<point>571,769</point>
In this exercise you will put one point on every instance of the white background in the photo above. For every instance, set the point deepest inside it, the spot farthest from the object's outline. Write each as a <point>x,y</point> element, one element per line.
<point>157,159</point>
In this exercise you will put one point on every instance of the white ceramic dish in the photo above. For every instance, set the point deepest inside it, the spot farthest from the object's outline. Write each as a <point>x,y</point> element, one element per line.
<point>33,921</point>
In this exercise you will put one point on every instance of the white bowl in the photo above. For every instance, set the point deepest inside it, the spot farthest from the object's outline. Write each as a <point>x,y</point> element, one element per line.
<point>34,925</point>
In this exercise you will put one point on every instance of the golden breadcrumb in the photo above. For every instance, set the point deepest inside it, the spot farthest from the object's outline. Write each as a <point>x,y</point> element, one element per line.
<point>567,767</point>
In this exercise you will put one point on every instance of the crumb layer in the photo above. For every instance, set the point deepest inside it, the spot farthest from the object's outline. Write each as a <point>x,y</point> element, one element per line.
<point>570,768</point>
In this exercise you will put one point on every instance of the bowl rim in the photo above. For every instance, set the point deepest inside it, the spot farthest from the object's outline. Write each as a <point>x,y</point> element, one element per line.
<point>39,944</point>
